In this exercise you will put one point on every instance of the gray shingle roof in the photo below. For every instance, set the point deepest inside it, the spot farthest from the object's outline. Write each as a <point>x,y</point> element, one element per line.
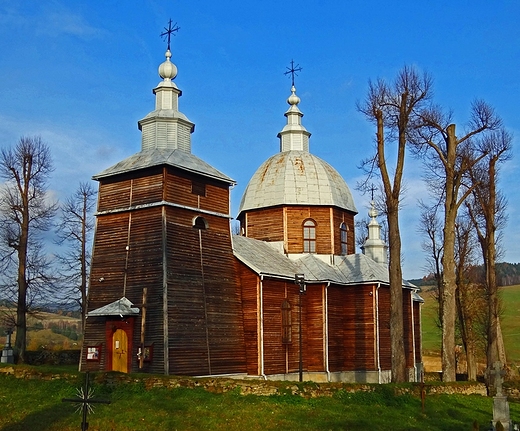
<point>158,157</point>
<point>121,307</point>
<point>265,260</point>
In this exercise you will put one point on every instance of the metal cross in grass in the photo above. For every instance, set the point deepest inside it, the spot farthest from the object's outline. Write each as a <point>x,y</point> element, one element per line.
<point>169,31</point>
<point>84,401</point>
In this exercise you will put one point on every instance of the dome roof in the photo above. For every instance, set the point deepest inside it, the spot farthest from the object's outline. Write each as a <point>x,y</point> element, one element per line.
<point>296,178</point>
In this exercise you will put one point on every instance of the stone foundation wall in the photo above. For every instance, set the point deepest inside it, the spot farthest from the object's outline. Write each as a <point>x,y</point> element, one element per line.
<point>244,387</point>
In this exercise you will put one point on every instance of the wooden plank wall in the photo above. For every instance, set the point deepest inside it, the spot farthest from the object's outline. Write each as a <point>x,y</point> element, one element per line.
<point>341,216</point>
<point>296,216</point>
<point>314,327</point>
<point>284,358</point>
<point>335,328</point>
<point>204,300</point>
<point>249,286</point>
<point>141,232</point>
<point>359,329</point>
<point>268,225</point>
<point>145,270</point>
<point>385,347</point>
<point>201,275</point>
<point>408,328</point>
<point>279,358</point>
<point>352,328</point>
<point>265,224</point>
<point>417,331</point>
<point>178,190</point>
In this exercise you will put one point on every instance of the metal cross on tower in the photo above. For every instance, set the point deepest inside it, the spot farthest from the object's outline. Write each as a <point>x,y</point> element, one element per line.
<point>372,190</point>
<point>83,400</point>
<point>292,70</point>
<point>169,31</point>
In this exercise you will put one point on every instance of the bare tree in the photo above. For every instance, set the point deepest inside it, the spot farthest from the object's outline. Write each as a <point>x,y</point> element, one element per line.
<point>26,212</point>
<point>394,109</point>
<point>469,298</point>
<point>450,158</point>
<point>75,229</point>
<point>431,228</point>
<point>487,211</point>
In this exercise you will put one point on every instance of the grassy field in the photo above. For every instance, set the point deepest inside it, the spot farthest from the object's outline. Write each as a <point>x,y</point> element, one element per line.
<point>510,321</point>
<point>37,405</point>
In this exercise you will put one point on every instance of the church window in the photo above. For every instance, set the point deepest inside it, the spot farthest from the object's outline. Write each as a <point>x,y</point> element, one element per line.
<point>309,236</point>
<point>198,188</point>
<point>343,238</point>
<point>200,223</point>
<point>286,322</point>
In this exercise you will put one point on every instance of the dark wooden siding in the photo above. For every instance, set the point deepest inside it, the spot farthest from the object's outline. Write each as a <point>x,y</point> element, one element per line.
<point>314,355</point>
<point>264,225</point>
<point>268,225</point>
<point>352,329</point>
<point>360,348</point>
<point>114,195</point>
<point>279,358</point>
<point>204,299</point>
<point>385,348</point>
<point>336,354</point>
<point>126,272</point>
<point>284,358</point>
<point>179,190</point>
<point>147,189</point>
<point>341,216</point>
<point>204,311</point>
<point>408,329</point>
<point>249,286</point>
<point>417,331</point>
<point>295,219</point>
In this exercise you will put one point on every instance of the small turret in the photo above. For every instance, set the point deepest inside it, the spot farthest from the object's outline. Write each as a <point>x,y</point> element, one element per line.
<point>374,247</point>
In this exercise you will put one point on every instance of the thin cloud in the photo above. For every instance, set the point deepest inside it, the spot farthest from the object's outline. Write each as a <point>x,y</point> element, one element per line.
<point>64,22</point>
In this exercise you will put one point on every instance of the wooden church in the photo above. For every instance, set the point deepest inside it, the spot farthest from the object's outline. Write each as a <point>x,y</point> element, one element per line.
<point>173,292</point>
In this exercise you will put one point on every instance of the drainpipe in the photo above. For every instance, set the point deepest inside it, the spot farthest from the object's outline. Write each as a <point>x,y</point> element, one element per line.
<point>378,334</point>
<point>261,314</point>
<point>327,331</point>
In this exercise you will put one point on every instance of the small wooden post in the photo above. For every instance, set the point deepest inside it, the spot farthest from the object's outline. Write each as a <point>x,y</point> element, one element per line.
<point>423,392</point>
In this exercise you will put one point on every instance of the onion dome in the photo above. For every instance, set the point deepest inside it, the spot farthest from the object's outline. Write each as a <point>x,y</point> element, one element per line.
<point>295,176</point>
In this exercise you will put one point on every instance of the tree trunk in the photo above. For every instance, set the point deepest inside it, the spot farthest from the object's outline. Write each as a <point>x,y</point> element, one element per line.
<point>394,239</point>
<point>471,360</point>
<point>21,304</point>
<point>449,282</point>
<point>396,300</point>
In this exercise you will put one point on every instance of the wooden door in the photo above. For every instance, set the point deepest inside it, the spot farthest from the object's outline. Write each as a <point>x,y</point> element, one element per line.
<point>120,351</point>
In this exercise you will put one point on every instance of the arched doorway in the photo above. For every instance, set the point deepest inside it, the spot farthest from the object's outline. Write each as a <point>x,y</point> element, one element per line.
<point>120,351</point>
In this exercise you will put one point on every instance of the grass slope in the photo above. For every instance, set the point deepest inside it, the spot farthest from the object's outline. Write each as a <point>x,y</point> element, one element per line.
<point>510,322</point>
<point>36,405</point>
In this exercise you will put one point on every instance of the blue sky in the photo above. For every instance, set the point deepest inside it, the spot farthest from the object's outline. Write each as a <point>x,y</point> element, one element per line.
<point>80,74</point>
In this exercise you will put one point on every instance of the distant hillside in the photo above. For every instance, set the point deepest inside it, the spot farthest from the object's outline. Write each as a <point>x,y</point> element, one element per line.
<point>508,274</point>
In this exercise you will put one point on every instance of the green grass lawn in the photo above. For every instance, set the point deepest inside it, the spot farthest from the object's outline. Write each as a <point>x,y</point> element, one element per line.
<point>37,405</point>
<point>510,322</point>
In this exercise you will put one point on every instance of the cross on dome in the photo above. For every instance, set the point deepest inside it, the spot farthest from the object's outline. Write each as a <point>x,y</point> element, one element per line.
<point>169,31</point>
<point>292,70</point>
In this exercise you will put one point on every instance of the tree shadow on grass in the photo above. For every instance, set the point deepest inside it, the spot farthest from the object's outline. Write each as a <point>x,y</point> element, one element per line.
<point>42,420</point>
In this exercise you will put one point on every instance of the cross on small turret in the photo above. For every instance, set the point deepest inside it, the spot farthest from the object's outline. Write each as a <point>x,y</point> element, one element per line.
<point>169,31</point>
<point>292,70</point>
<point>372,190</point>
